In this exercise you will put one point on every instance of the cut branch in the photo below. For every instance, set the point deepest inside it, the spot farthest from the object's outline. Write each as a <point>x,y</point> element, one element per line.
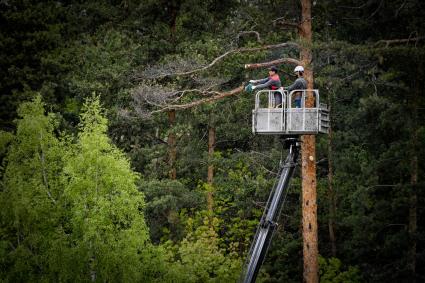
<point>216,95</point>
<point>224,55</point>
<point>272,63</point>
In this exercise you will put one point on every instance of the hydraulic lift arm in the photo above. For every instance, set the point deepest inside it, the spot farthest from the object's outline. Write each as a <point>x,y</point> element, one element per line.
<point>271,213</point>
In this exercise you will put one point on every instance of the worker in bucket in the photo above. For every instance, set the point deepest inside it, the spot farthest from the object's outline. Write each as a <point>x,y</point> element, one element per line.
<point>300,83</point>
<point>272,82</point>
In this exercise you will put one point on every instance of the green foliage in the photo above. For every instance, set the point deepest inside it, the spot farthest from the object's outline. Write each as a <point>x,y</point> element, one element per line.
<point>108,229</point>
<point>330,272</point>
<point>31,194</point>
<point>104,65</point>
<point>5,139</point>
<point>199,258</point>
<point>168,205</point>
<point>75,209</point>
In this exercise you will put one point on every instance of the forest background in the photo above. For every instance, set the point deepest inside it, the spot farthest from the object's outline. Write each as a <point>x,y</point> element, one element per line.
<point>101,180</point>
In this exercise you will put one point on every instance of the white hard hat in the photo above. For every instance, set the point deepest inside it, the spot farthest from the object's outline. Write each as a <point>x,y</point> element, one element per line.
<point>299,69</point>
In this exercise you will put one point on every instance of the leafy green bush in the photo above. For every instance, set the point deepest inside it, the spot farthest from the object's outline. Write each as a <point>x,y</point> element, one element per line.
<point>331,272</point>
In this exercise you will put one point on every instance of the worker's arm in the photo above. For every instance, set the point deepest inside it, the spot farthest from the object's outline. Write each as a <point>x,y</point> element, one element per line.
<point>267,83</point>
<point>296,85</point>
<point>261,81</point>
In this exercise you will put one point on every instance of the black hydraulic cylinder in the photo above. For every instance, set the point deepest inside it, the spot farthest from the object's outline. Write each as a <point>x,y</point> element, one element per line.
<point>270,217</point>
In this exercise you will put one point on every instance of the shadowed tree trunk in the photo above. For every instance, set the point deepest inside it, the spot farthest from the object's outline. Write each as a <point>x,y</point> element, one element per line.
<point>308,160</point>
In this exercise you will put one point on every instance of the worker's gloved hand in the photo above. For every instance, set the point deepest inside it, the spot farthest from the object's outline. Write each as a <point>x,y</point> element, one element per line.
<point>253,87</point>
<point>252,81</point>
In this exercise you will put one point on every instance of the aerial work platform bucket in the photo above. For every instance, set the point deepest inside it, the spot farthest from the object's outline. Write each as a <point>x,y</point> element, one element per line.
<point>268,118</point>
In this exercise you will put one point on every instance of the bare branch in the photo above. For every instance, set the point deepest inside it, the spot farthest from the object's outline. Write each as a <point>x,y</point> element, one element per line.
<point>163,97</point>
<point>272,63</point>
<point>224,55</point>
<point>281,21</point>
<point>153,94</point>
<point>172,66</point>
<point>400,8</point>
<point>126,114</point>
<point>376,11</point>
<point>368,3</point>
<point>208,83</point>
<point>218,96</point>
<point>395,41</point>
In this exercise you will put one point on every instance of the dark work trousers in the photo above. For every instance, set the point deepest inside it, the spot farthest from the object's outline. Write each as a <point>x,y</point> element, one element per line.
<point>277,98</point>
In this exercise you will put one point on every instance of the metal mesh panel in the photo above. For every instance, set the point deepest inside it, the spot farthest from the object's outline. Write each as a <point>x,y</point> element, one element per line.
<point>289,120</point>
<point>269,121</point>
<point>303,120</point>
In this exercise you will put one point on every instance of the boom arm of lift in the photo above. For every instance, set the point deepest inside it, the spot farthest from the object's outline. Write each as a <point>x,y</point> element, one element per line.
<point>271,213</point>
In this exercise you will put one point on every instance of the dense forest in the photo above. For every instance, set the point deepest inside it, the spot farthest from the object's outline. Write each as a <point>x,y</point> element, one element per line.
<point>127,152</point>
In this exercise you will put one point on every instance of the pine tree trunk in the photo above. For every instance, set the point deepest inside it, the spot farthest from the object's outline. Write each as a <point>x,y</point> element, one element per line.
<point>211,146</point>
<point>172,151</point>
<point>308,158</point>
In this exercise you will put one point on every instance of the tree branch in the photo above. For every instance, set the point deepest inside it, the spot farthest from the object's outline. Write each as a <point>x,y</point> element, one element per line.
<point>395,41</point>
<point>376,11</point>
<point>272,63</point>
<point>220,95</point>
<point>43,169</point>
<point>216,94</point>
<point>400,8</point>
<point>283,22</point>
<point>222,56</point>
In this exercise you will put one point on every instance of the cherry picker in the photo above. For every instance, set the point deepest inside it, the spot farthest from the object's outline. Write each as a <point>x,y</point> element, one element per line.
<point>288,122</point>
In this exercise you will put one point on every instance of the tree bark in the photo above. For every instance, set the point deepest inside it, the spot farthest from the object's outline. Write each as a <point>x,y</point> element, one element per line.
<point>272,63</point>
<point>211,147</point>
<point>308,157</point>
<point>172,151</point>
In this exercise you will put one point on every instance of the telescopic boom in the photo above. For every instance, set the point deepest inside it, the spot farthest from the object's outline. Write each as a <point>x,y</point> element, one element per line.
<point>270,217</point>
